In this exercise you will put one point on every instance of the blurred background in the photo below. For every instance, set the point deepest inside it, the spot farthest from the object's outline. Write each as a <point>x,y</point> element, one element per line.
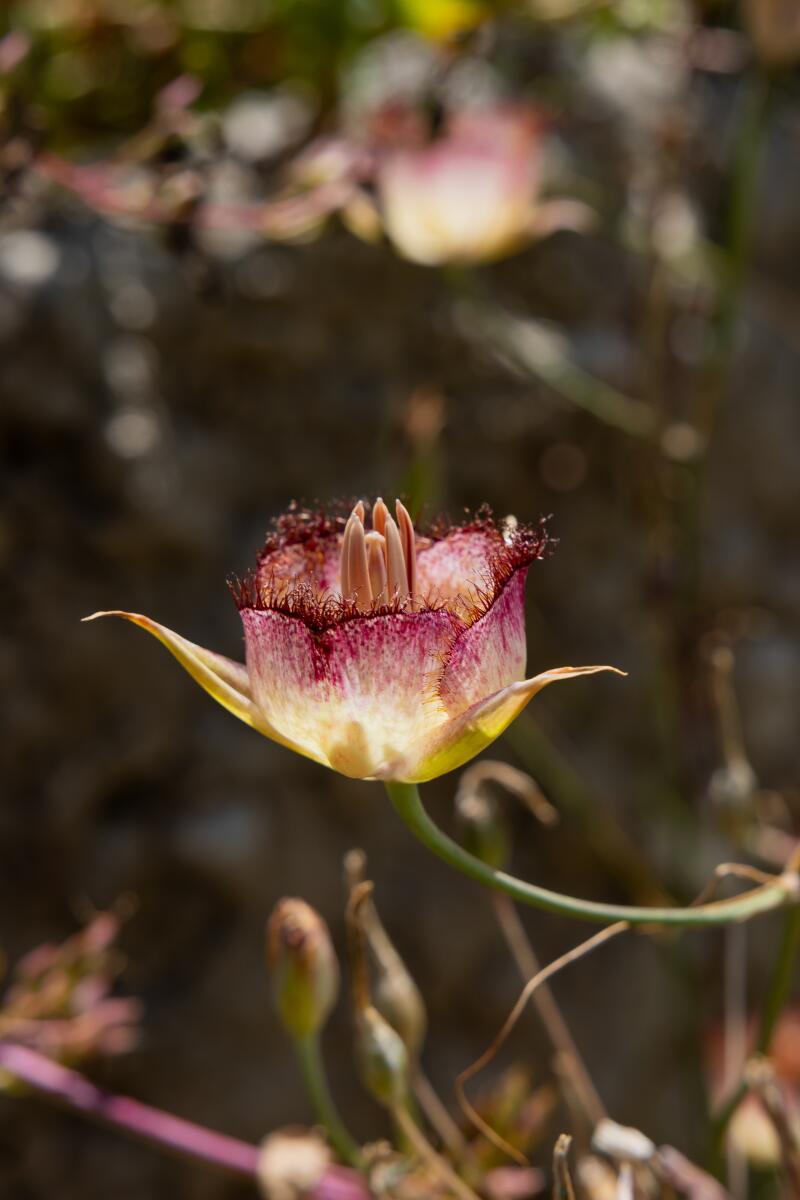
<point>544,255</point>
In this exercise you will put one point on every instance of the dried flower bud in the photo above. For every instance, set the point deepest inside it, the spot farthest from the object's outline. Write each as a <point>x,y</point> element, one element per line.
<point>304,966</point>
<point>397,996</point>
<point>481,829</point>
<point>382,1057</point>
<point>399,1000</point>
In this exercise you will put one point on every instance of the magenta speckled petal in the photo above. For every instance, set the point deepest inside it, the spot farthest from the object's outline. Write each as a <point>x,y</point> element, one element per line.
<point>490,653</point>
<point>449,570</point>
<point>313,564</point>
<point>355,695</point>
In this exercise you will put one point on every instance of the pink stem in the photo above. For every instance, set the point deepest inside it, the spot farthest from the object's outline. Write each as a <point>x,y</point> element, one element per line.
<point>152,1125</point>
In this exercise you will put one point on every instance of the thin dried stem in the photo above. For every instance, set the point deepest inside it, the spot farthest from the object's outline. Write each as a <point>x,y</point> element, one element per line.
<point>518,784</point>
<point>737,870</point>
<point>571,956</point>
<point>735,1041</point>
<point>760,1077</point>
<point>562,1181</point>
<point>551,1016</point>
<point>727,707</point>
<point>356,945</point>
<point>417,1140</point>
<point>431,1104</point>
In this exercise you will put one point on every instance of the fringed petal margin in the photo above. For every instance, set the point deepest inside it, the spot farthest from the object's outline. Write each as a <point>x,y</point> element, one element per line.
<point>460,739</point>
<point>225,680</point>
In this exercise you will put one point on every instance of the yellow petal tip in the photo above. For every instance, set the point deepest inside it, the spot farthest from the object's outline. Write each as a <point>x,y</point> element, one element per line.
<point>137,618</point>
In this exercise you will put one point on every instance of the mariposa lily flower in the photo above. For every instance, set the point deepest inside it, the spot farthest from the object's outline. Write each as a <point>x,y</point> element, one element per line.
<point>472,193</point>
<point>375,651</point>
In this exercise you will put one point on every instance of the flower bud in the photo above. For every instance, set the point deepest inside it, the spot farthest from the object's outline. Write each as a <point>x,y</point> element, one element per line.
<point>397,996</point>
<point>399,1000</point>
<point>481,829</point>
<point>304,966</point>
<point>382,1057</point>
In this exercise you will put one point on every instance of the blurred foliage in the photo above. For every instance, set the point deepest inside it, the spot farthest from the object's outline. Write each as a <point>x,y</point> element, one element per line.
<point>92,70</point>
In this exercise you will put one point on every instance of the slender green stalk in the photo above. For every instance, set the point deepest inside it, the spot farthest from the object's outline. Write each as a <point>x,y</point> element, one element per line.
<point>408,806</point>
<point>777,995</point>
<point>316,1082</point>
<point>743,185</point>
<point>781,982</point>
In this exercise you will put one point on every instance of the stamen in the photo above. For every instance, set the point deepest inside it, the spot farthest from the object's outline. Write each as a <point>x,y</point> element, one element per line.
<point>358,571</point>
<point>344,559</point>
<point>409,543</point>
<point>397,570</point>
<point>376,565</point>
<point>379,514</point>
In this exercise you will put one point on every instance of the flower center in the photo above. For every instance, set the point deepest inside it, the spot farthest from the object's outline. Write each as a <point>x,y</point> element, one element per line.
<point>379,566</point>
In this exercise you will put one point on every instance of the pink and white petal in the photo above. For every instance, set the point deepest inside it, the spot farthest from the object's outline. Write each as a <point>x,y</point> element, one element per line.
<point>489,654</point>
<point>314,563</point>
<point>455,565</point>
<point>355,695</point>
<point>227,681</point>
<point>461,738</point>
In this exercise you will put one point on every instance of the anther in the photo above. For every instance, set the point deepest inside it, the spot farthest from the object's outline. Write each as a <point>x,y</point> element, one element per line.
<point>396,568</point>
<point>358,572</point>
<point>379,514</point>
<point>408,542</point>
<point>376,566</point>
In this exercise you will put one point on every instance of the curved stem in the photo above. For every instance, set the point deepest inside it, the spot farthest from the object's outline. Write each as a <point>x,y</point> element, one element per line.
<point>324,1106</point>
<point>408,806</point>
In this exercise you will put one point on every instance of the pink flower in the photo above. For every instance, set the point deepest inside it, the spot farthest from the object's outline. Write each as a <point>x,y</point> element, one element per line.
<point>472,194</point>
<point>375,651</point>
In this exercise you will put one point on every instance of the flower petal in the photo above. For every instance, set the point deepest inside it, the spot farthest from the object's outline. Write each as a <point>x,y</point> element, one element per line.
<point>450,569</point>
<point>489,654</point>
<point>354,695</point>
<point>227,681</point>
<point>464,736</point>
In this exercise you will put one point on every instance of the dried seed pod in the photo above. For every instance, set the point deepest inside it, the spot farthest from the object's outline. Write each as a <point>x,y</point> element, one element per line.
<point>382,1058</point>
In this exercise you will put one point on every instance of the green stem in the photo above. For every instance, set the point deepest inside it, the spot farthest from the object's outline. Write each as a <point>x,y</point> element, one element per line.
<point>778,991</point>
<point>408,806</point>
<point>316,1082</point>
<point>743,196</point>
<point>781,982</point>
